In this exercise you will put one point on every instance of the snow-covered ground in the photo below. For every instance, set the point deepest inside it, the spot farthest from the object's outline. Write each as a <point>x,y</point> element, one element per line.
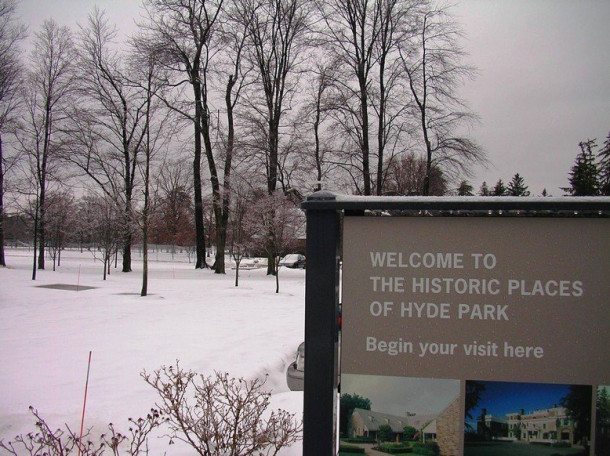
<point>196,317</point>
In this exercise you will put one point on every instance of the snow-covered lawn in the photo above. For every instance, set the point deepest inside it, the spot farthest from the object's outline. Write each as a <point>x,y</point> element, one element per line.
<point>197,317</point>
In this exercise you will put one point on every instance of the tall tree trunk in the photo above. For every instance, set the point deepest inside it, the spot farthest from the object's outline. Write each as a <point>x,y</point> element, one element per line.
<point>35,241</point>
<point>128,236</point>
<point>316,130</point>
<point>2,259</point>
<point>277,276</point>
<point>129,176</point>
<point>42,176</point>
<point>199,227</point>
<point>222,216</point>
<point>381,127</point>
<point>41,234</point>
<point>271,187</point>
<point>366,171</point>
<point>146,211</point>
<point>144,291</point>
<point>127,253</point>
<point>219,263</point>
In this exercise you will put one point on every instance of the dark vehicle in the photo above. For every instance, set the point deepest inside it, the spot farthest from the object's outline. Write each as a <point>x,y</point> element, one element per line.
<point>295,375</point>
<point>294,260</point>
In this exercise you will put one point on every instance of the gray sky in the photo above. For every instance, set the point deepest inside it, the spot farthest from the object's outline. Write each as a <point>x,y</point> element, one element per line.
<point>543,83</point>
<point>399,395</point>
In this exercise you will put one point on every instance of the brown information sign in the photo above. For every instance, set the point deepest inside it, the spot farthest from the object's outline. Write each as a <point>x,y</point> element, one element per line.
<point>504,299</point>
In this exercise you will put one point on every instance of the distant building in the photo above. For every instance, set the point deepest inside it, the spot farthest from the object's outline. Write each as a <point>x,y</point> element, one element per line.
<point>491,426</point>
<point>538,426</point>
<point>365,423</point>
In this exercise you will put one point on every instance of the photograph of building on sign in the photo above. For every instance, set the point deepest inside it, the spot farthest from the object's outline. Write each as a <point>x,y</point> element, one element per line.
<point>401,411</point>
<point>523,419</point>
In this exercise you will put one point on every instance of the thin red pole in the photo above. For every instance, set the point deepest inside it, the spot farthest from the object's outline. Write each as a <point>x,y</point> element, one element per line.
<point>82,421</point>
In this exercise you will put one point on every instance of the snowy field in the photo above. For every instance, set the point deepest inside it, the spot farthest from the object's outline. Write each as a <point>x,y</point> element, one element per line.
<point>196,317</point>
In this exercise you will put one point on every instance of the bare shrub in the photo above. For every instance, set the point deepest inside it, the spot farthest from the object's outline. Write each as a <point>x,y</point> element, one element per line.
<point>221,416</point>
<point>46,441</point>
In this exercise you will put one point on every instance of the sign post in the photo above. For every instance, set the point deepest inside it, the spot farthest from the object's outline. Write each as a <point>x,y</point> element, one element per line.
<point>321,331</point>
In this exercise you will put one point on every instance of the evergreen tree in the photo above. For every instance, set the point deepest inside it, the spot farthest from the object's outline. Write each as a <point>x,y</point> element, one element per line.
<point>584,176</point>
<point>484,190</point>
<point>604,167</point>
<point>465,189</point>
<point>499,189</point>
<point>347,405</point>
<point>578,406</point>
<point>517,187</point>
<point>602,437</point>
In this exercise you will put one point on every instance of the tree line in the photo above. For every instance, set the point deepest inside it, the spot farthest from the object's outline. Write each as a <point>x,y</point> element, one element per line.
<point>589,176</point>
<point>212,107</point>
<point>260,96</point>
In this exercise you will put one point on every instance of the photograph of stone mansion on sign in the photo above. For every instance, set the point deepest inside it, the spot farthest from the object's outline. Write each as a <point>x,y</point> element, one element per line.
<point>539,426</point>
<point>527,417</point>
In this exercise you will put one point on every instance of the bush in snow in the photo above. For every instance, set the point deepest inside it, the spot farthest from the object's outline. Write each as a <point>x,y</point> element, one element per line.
<point>221,416</point>
<point>59,442</point>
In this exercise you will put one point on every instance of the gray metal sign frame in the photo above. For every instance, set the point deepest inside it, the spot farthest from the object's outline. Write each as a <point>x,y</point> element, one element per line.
<point>324,211</point>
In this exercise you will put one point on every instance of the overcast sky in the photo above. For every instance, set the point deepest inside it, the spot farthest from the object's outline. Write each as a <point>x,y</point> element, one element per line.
<point>543,83</point>
<point>399,395</point>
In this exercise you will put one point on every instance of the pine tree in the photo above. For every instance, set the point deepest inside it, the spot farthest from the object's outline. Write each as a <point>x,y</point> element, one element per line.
<point>465,189</point>
<point>499,189</point>
<point>484,190</point>
<point>517,187</point>
<point>604,167</point>
<point>584,176</point>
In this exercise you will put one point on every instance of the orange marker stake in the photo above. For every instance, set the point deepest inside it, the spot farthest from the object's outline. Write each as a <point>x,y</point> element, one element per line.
<point>82,421</point>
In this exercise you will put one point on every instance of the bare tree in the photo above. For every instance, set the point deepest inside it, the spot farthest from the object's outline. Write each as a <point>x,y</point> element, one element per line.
<point>434,68</point>
<point>351,31</point>
<point>276,43</point>
<point>61,223</point>
<point>11,33</point>
<point>101,217</point>
<point>241,232</point>
<point>114,117</point>
<point>406,176</point>
<point>275,221</point>
<point>147,75</point>
<point>47,93</point>
<point>232,71</point>
<point>173,221</point>
<point>363,35</point>
<point>317,112</point>
<point>394,25</point>
<point>277,29</point>
<point>182,30</point>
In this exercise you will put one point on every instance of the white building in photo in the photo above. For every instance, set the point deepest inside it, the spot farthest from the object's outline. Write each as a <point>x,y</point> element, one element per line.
<point>544,425</point>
